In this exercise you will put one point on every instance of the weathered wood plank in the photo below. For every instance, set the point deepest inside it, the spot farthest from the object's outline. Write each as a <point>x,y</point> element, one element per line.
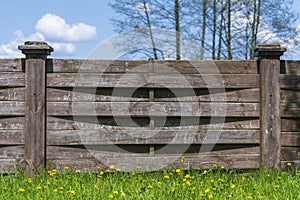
<point>291,67</point>
<point>290,125</point>
<point>295,164</point>
<point>88,95</point>
<point>12,108</point>
<point>8,166</point>
<point>290,139</point>
<point>11,65</point>
<point>15,123</point>
<point>11,137</point>
<point>12,152</point>
<point>152,80</point>
<point>12,94</point>
<point>152,109</point>
<point>92,123</point>
<point>291,109</point>
<point>243,95</point>
<point>289,96</point>
<point>59,157</point>
<point>289,81</point>
<point>129,66</point>
<point>12,79</point>
<point>289,153</point>
<point>150,136</point>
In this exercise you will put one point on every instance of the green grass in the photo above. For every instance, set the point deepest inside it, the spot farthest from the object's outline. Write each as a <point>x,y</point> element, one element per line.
<point>170,184</point>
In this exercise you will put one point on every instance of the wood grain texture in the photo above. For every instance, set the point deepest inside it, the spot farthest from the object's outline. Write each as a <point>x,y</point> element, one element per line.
<point>289,96</point>
<point>129,66</point>
<point>289,81</point>
<point>12,94</point>
<point>11,65</point>
<point>11,137</point>
<point>12,79</point>
<point>12,123</point>
<point>181,109</point>
<point>290,125</point>
<point>11,158</point>
<point>12,108</point>
<point>58,157</point>
<point>290,153</point>
<point>290,139</point>
<point>151,136</point>
<point>290,67</point>
<point>152,80</point>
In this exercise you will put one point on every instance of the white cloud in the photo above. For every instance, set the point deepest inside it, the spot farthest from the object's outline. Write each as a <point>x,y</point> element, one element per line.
<point>55,28</point>
<point>55,31</point>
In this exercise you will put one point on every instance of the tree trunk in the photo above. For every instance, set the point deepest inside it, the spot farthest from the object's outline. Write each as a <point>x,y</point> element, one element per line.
<point>214,29</point>
<point>203,29</point>
<point>150,30</point>
<point>229,30</point>
<point>221,32</point>
<point>177,29</point>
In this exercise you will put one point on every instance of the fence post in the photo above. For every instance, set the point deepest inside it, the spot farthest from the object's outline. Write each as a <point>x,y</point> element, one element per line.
<point>35,104</point>
<point>270,121</point>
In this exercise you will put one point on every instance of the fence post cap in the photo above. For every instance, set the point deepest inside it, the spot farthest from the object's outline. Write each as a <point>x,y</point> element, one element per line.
<point>35,48</point>
<point>272,51</point>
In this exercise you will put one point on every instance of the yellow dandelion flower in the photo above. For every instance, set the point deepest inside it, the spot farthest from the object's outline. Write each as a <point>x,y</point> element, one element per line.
<point>77,171</point>
<point>210,196</point>
<point>38,187</point>
<point>215,166</point>
<point>279,177</point>
<point>99,167</point>
<point>182,159</point>
<point>289,164</point>
<point>220,180</point>
<point>207,190</point>
<point>132,174</point>
<point>212,181</point>
<point>222,167</point>
<point>243,178</point>
<point>166,177</point>
<point>139,167</point>
<point>229,196</point>
<point>111,196</point>
<point>159,183</point>
<point>66,167</point>
<point>123,194</point>
<point>112,167</point>
<point>205,172</point>
<point>107,170</point>
<point>29,180</point>
<point>99,176</point>
<point>48,183</point>
<point>53,171</point>
<point>21,190</point>
<point>55,190</point>
<point>60,188</point>
<point>187,176</point>
<point>101,173</point>
<point>41,198</point>
<point>232,186</point>
<point>178,171</point>
<point>72,192</point>
<point>188,183</point>
<point>249,197</point>
<point>96,186</point>
<point>45,187</point>
<point>118,170</point>
<point>184,180</point>
<point>115,192</point>
<point>173,190</point>
<point>202,195</point>
<point>150,186</point>
<point>261,197</point>
<point>277,186</point>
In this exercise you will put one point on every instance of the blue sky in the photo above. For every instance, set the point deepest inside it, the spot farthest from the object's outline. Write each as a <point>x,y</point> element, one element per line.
<point>79,25</point>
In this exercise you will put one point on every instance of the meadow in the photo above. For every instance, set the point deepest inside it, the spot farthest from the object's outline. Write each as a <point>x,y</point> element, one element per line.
<point>215,183</point>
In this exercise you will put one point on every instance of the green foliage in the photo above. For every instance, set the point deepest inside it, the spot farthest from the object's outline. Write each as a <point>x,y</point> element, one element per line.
<point>168,184</point>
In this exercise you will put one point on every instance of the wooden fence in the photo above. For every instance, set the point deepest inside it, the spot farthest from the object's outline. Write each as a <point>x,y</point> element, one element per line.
<point>148,114</point>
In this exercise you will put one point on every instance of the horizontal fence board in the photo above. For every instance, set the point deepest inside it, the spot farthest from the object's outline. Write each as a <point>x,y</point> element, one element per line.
<point>11,65</point>
<point>290,125</point>
<point>11,137</point>
<point>286,164</point>
<point>289,81</point>
<point>8,166</point>
<point>12,123</point>
<point>152,109</point>
<point>290,139</point>
<point>91,94</point>
<point>91,123</point>
<point>12,94</point>
<point>290,109</point>
<point>289,153</point>
<point>59,157</point>
<point>148,136</point>
<point>88,95</point>
<point>289,96</point>
<point>129,66</point>
<point>152,80</point>
<point>12,152</point>
<point>12,79</point>
<point>291,67</point>
<point>12,108</point>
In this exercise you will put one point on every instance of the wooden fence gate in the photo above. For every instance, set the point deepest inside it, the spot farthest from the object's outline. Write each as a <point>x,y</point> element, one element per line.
<point>148,115</point>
